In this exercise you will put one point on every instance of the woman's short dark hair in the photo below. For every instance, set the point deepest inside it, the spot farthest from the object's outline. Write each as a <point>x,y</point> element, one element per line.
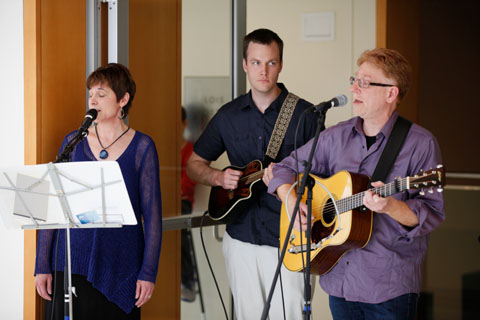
<point>118,78</point>
<point>262,36</point>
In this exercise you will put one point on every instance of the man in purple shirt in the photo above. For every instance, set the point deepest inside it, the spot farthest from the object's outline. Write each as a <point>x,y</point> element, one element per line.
<point>383,279</point>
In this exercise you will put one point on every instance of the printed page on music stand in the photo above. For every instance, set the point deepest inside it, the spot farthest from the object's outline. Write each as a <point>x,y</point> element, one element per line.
<point>87,194</point>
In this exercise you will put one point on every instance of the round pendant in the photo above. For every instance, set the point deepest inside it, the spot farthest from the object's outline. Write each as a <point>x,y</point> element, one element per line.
<point>103,154</point>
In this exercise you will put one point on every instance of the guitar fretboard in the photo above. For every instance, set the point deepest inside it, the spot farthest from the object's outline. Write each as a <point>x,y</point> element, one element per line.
<point>356,200</point>
<point>251,177</point>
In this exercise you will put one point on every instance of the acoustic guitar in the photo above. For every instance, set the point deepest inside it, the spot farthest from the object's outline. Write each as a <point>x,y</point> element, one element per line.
<point>225,205</point>
<point>334,234</point>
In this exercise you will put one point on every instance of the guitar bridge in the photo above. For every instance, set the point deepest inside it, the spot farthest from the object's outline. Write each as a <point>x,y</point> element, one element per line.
<point>314,246</point>
<point>303,248</point>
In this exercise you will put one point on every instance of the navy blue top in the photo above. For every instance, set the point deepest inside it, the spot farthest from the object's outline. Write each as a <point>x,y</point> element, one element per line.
<point>241,130</point>
<point>114,259</point>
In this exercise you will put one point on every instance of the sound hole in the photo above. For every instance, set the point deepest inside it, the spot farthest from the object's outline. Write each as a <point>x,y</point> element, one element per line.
<point>319,229</point>
<point>328,212</point>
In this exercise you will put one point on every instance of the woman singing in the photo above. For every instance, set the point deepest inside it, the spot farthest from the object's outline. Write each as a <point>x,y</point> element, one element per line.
<point>113,270</point>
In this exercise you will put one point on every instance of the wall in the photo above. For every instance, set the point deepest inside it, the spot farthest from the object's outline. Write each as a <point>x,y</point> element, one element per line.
<point>11,144</point>
<point>441,101</point>
<point>318,71</point>
<point>451,111</point>
<point>205,38</point>
<point>206,53</point>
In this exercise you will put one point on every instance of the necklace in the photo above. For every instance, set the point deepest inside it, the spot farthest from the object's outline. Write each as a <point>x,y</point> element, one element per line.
<point>104,154</point>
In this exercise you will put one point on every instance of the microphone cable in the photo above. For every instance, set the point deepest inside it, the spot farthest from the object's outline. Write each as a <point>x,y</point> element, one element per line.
<point>281,287</point>
<point>55,275</point>
<point>209,264</point>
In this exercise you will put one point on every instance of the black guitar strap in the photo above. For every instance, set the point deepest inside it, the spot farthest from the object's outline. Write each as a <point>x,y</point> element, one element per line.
<point>392,149</point>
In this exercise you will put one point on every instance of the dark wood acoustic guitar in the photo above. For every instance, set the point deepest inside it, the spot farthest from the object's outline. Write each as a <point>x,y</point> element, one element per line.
<point>334,234</point>
<point>225,205</point>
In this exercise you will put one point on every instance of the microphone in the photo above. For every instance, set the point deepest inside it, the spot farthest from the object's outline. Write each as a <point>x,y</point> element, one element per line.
<point>338,101</point>
<point>90,116</point>
<point>82,132</point>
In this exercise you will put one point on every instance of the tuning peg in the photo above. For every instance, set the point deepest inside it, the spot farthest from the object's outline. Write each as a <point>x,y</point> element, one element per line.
<point>422,193</point>
<point>430,190</point>
<point>439,166</point>
<point>439,189</point>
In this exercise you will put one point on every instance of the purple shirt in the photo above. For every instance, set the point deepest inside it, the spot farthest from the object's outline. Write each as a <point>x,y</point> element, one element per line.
<point>390,265</point>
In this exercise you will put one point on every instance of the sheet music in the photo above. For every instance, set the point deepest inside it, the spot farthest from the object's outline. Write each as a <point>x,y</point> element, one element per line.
<point>28,196</point>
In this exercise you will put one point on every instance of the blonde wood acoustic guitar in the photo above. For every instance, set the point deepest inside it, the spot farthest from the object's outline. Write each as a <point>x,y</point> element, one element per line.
<point>334,234</point>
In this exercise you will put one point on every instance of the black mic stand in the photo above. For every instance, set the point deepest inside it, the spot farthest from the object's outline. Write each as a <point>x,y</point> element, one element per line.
<point>309,182</point>
<point>67,280</point>
<point>65,155</point>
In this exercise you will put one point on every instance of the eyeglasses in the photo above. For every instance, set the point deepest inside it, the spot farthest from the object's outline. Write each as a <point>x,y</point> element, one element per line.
<point>362,83</point>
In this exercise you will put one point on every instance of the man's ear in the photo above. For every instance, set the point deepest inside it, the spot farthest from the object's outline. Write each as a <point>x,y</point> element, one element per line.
<point>392,94</point>
<point>244,63</point>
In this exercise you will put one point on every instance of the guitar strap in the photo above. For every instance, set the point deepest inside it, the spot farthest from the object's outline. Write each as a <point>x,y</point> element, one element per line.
<point>280,129</point>
<point>392,149</point>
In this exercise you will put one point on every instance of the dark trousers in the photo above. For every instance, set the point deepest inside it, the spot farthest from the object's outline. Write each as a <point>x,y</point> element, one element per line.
<point>88,304</point>
<point>400,308</point>
<point>187,262</point>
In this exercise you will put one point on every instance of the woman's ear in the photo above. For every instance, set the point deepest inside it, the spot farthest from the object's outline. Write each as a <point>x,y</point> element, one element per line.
<point>123,102</point>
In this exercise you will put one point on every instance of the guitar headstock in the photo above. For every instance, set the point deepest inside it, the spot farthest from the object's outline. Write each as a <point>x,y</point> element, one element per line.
<point>433,178</point>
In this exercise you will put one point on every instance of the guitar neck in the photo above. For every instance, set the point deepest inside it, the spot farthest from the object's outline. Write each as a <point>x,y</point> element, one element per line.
<point>356,200</point>
<point>252,177</point>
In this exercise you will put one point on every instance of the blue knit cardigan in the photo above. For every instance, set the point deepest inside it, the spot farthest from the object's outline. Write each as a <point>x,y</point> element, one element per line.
<point>114,259</point>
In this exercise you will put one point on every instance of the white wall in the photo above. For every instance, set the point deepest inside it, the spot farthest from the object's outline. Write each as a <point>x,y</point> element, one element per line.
<point>205,38</point>
<point>206,53</point>
<point>318,71</point>
<point>11,146</point>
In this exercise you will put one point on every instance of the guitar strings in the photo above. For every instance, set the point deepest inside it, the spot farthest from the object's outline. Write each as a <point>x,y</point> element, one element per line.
<point>398,185</point>
<point>251,176</point>
<point>355,201</point>
<point>391,188</point>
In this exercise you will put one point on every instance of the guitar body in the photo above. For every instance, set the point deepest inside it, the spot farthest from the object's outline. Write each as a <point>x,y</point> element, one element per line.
<point>226,205</point>
<point>355,225</point>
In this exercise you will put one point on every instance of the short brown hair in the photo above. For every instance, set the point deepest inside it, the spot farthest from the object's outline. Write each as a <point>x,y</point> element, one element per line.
<point>393,65</point>
<point>118,78</point>
<point>262,36</point>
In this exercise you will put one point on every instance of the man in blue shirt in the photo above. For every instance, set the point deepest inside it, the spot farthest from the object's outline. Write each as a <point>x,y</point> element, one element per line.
<point>243,128</point>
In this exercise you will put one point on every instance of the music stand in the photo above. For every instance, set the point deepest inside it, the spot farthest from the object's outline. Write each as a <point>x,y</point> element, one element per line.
<point>65,195</point>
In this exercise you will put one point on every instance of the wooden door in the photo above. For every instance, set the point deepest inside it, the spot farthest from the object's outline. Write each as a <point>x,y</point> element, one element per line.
<point>55,64</point>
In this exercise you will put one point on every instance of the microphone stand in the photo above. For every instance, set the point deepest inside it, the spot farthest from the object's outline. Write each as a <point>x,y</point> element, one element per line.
<point>67,275</point>
<point>65,155</point>
<point>309,182</point>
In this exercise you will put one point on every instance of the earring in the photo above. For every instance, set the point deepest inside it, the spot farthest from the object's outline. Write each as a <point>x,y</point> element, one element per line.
<point>122,114</point>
